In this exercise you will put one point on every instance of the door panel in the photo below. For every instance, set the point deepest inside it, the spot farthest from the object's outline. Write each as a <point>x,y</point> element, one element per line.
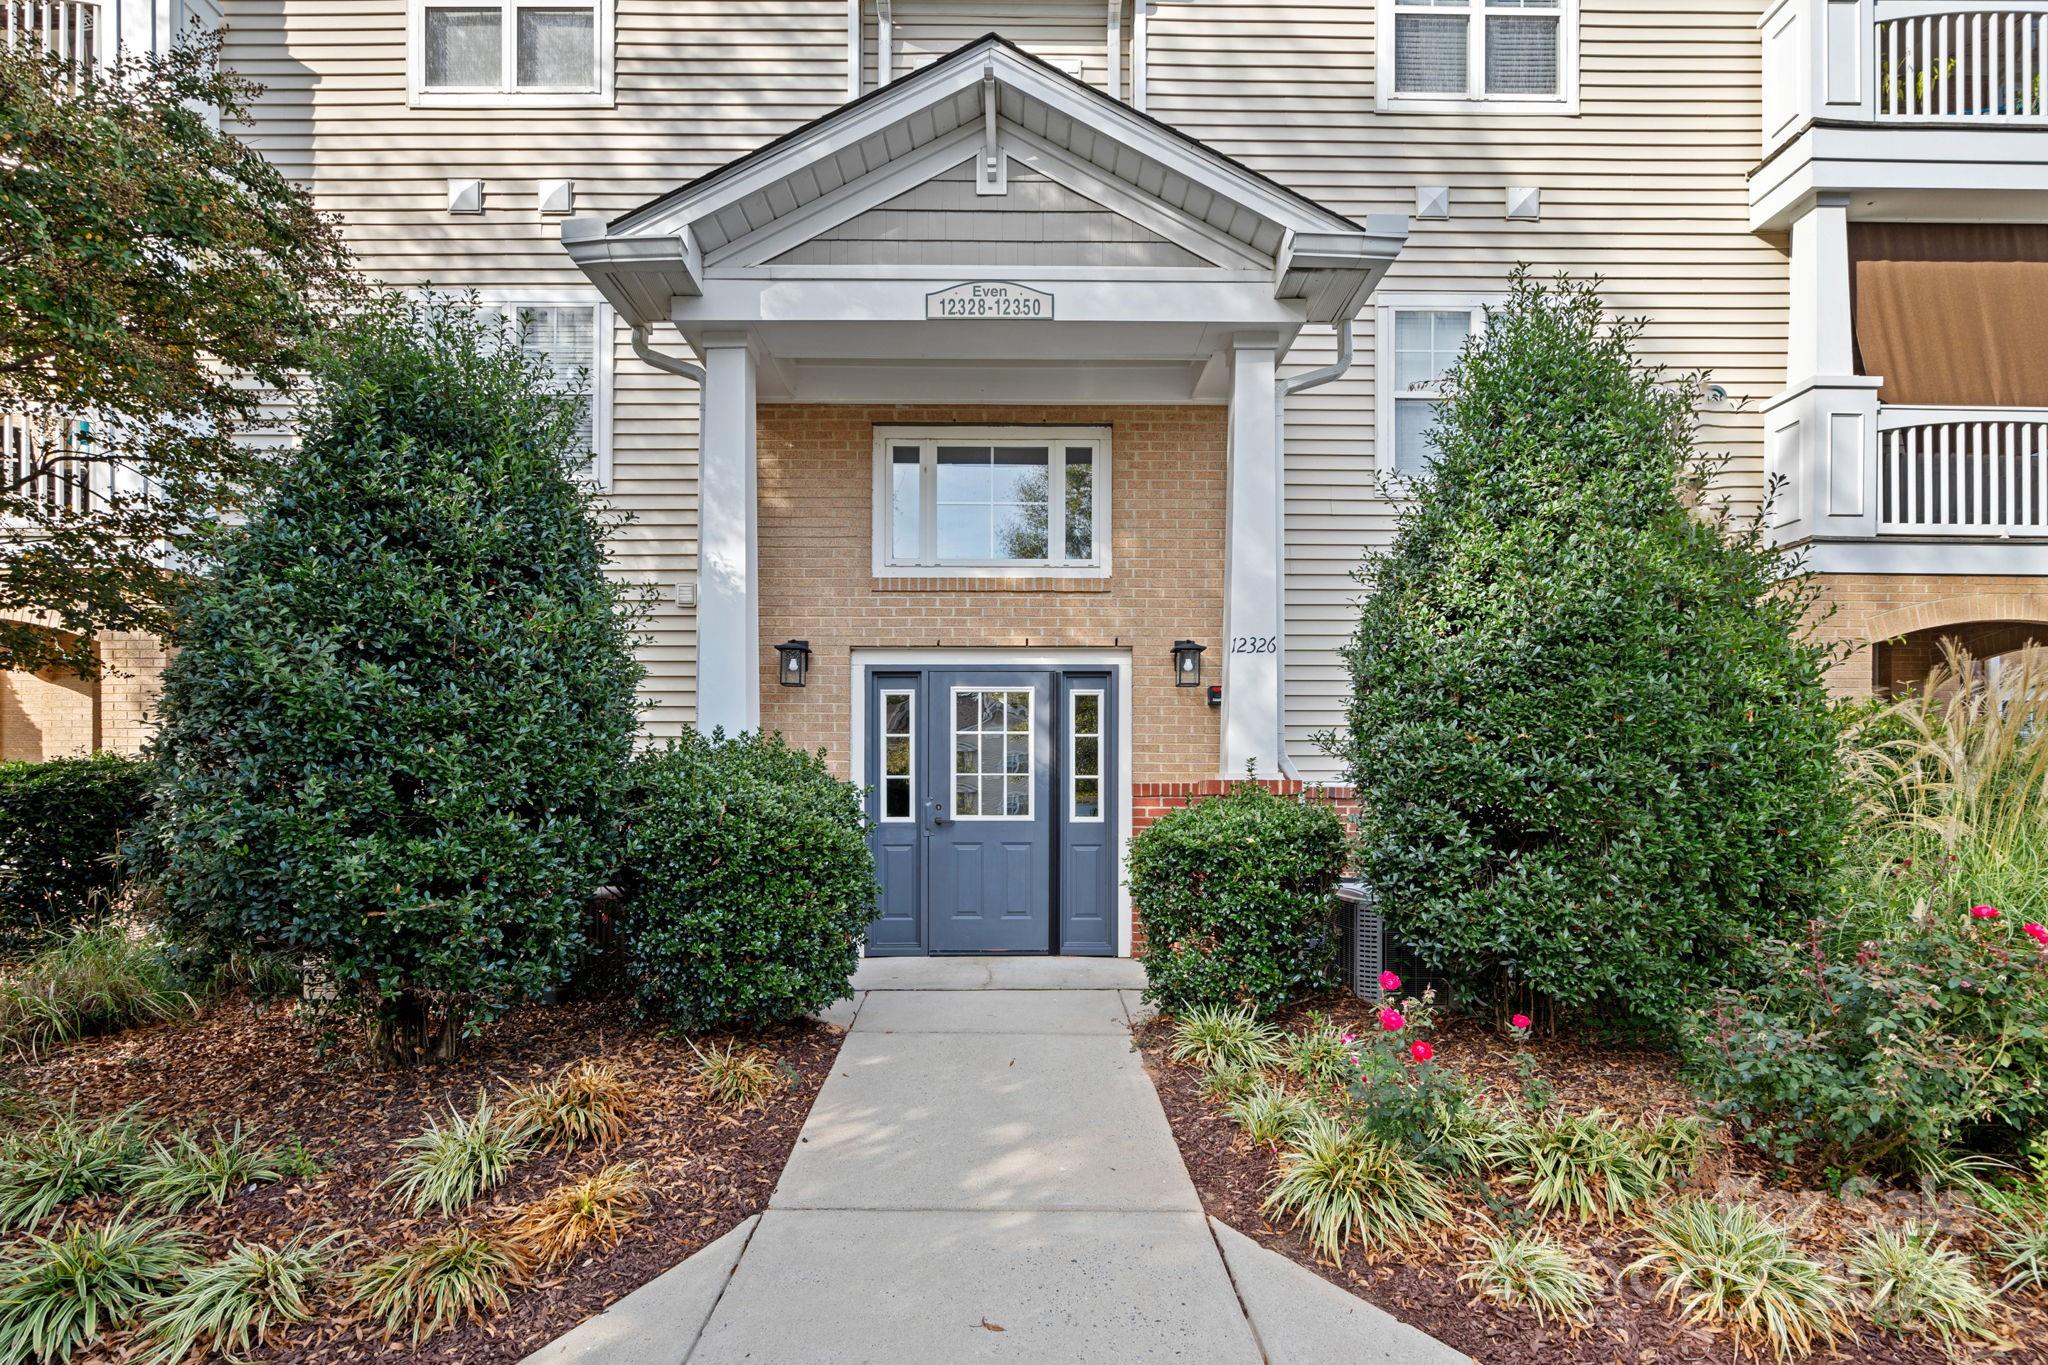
<point>895,800</point>
<point>1088,814</point>
<point>989,823</point>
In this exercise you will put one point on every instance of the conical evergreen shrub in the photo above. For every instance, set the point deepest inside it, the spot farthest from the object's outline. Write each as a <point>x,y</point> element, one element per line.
<point>395,733</point>
<point>1592,745</point>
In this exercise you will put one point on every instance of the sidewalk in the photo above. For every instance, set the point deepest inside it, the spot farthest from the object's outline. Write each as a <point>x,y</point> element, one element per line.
<point>987,1175</point>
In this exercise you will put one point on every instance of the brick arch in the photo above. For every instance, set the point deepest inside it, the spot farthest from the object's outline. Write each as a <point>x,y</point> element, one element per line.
<point>1962,609</point>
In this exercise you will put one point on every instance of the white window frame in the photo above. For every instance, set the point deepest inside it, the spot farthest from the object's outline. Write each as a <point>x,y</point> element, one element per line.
<point>1475,98</point>
<point>928,439</point>
<point>507,94</point>
<point>1101,739</point>
<point>882,773</point>
<point>1386,306</point>
<point>953,752</point>
<point>505,300</point>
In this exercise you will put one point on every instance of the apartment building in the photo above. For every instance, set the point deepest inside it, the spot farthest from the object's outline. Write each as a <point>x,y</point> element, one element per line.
<point>1006,393</point>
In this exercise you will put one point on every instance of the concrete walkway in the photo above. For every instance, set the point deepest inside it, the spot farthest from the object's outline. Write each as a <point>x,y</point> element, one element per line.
<point>987,1174</point>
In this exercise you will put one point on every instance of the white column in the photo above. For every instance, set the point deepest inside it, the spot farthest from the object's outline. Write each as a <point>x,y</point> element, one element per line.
<point>728,575</point>
<point>1820,341</point>
<point>1252,564</point>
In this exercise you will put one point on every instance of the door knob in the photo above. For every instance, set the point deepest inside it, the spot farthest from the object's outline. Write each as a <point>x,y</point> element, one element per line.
<point>938,810</point>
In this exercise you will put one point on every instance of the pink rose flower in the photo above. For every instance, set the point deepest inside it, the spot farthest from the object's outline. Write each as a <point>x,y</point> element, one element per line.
<point>2035,932</point>
<point>1391,1020</point>
<point>1389,982</point>
<point>1350,1038</point>
<point>1520,1023</point>
<point>1421,1051</point>
<point>1983,912</point>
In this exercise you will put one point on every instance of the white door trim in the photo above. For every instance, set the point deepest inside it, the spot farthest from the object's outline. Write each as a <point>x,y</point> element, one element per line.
<point>1116,661</point>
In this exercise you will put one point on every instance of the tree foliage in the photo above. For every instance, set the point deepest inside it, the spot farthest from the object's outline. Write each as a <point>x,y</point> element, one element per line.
<point>1592,747</point>
<point>157,277</point>
<point>395,736</point>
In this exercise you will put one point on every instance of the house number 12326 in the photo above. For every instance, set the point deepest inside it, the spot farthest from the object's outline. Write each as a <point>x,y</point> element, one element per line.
<point>1253,644</point>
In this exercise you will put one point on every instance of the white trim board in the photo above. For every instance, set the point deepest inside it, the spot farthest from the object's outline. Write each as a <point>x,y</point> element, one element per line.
<point>1116,661</point>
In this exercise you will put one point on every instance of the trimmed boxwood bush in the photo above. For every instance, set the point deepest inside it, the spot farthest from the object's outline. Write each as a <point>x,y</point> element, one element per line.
<point>396,733</point>
<point>1236,893</point>
<point>61,824</point>
<point>1593,750</point>
<point>749,883</point>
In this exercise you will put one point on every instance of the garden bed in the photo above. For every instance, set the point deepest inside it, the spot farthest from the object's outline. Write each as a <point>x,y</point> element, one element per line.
<point>706,1167</point>
<point>1417,1280</point>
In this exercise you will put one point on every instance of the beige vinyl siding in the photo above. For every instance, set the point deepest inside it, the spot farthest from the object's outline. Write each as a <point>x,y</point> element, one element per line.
<point>697,85</point>
<point>1645,186</point>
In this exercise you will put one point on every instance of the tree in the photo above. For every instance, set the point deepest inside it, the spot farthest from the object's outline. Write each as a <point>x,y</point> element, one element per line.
<point>1593,749</point>
<point>157,278</point>
<point>395,736</point>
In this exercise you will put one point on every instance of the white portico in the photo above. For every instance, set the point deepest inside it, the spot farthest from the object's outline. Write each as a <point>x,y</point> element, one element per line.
<point>986,231</point>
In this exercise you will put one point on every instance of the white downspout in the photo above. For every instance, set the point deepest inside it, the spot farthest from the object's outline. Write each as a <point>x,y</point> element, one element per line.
<point>885,40</point>
<point>853,54</point>
<point>1292,385</point>
<point>1114,48</point>
<point>1140,11</point>
<point>668,364</point>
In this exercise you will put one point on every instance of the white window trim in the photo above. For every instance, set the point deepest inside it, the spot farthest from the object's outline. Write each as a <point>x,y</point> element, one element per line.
<point>1055,437</point>
<point>1101,742</point>
<point>882,773</point>
<point>1476,100</point>
<point>1384,396</point>
<point>601,362</point>
<point>953,755</point>
<point>418,96</point>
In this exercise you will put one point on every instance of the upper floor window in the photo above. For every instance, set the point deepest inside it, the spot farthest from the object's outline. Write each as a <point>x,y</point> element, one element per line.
<point>992,500</point>
<point>1418,341</point>
<point>511,53</point>
<point>1509,56</point>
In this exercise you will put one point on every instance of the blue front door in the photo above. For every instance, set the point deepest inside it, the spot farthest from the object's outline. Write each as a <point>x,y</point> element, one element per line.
<point>992,793</point>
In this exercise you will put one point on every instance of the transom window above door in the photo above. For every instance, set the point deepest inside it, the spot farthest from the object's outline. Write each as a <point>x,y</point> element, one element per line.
<point>507,53</point>
<point>992,500</point>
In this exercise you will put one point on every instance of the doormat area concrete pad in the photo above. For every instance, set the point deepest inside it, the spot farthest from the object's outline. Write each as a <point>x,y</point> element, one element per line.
<point>999,974</point>
<point>657,1323</point>
<point>1098,1012</point>
<point>985,1121</point>
<point>909,1288</point>
<point>1303,1319</point>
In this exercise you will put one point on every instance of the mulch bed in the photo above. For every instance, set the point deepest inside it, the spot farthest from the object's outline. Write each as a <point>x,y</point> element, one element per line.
<point>706,1168</point>
<point>1418,1282</point>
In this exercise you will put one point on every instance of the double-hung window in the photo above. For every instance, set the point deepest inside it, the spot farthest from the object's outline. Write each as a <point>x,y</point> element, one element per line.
<point>511,52</point>
<point>571,339</point>
<point>1506,55</point>
<point>992,501</point>
<point>1418,340</point>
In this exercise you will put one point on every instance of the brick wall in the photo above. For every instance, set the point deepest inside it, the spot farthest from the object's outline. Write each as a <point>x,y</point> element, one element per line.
<point>816,472</point>
<point>56,714</point>
<point>1891,624</point>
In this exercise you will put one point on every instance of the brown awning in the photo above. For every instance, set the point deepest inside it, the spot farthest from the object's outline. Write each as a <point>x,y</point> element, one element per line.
<point>1952,313</point>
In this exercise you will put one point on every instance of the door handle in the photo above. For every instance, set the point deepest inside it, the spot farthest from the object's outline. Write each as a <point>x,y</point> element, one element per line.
<point>938,810</point>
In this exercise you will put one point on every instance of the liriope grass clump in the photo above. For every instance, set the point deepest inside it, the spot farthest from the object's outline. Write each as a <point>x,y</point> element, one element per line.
<point>1320,1054</point>
<point>1225,1081</point>
<point>2019,1248</point>
<point>1531,1270</point>
<point>63,1159</point>
<point>1269,1114</point>
<point>172,1176</point>
<point>95,979</point>
<point>587,1101</point>
<point>1210,1035</point>
<point>61,1293</point>
<point>594,1211</point>
<point>447,1165</point>
<point>1727,1266</point>
<point>1913,1280</point>
<point>233,1305</point>
<point>732,1078</point>
<point>1342,1184</point>
<point>1585,1166</point>
<point>1672,1148</point>
<point>423,1287</point>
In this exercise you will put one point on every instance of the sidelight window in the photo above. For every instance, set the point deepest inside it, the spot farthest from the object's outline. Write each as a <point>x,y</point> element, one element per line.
<point>1084,756</point>
<point>899,755</point>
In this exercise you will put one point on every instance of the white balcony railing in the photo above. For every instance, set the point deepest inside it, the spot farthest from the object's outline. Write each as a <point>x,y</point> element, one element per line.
<point>1946,471</point>
<point>33,465</point>
<point>79,32</point>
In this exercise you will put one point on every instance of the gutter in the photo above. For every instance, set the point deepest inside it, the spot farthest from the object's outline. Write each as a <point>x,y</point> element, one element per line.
<point>667,364</point>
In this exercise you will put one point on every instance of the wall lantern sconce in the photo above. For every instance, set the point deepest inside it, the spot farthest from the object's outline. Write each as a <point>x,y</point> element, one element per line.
<point>793,667</point>
<point>1187,663</point>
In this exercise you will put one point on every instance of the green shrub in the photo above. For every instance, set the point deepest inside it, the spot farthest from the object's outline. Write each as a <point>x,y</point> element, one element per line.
<point>172,1176</point>
<point>1913,1280</point>
<point>1237,893</point>
<point>66,1158</point>
<point>446,1166</point>
<point>58,1294</point>
<point>1922,1044</point>
<point>1593,751</point>
<point>234,1304</point>
<point>61,826</point>
<point>749,884</point>
<point>94,979</point>
<point>438,1280</point>
<point>1730,1268</point>
<point>1341,1184</point>
<point>1210,1036</point>
<point>1531,1270</point>
<point>394,736</point>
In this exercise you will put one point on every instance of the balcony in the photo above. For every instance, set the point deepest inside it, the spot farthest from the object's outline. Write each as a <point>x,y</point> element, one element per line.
<point>38,463</point>
<point>1912,107</point>
<point>80,32</point>
<point>1962,472</point>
